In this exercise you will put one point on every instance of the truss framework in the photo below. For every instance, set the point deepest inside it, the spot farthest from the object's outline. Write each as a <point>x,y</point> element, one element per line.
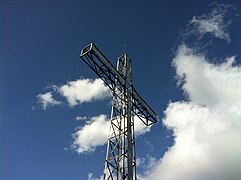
<point>120,155</point>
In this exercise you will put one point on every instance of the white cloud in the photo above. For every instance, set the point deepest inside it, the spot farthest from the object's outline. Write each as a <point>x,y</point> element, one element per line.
<point>96,131</point>
<point>93,133</point>
<point>90,177</point>
<point>47,100</point>
<point>207,127</point>
<point>147,162</point>
<point>206,83</point>
<point>84,90</point>
<point>81,118</point>
<point>140,127</point>
<point>212,23</point>
<point>76,92</point>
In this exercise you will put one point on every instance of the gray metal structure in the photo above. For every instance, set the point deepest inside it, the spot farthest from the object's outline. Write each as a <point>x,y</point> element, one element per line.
<point>120,161</point>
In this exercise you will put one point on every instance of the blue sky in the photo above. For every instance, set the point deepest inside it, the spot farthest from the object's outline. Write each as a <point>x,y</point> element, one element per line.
<point>40,46</point>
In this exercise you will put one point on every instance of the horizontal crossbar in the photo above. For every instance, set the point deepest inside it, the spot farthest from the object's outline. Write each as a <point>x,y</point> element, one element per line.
<point>94,58</point>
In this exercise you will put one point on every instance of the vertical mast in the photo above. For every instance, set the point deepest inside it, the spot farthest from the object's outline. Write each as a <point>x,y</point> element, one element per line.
<point>129,117</point>
<point>120,156</point>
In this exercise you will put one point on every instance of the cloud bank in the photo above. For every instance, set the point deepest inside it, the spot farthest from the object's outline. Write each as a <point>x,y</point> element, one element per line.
<point>207,126</point>
<point>95,133</point>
